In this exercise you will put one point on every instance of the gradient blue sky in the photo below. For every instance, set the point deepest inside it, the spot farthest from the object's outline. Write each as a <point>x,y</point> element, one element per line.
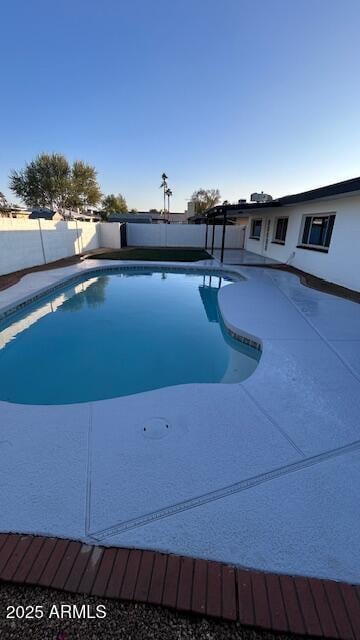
<point>243,95</point>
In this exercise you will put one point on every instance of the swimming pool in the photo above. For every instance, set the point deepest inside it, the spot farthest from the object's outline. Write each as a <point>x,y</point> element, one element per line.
<point>119,333</point>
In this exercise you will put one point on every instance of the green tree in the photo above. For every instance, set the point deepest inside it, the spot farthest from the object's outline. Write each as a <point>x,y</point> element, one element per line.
<point>205,199</point>
<point>44,182</point>
<point>3,201</point>
<point>85,190</point>
<point>50,181</point>
<point>114,204</point>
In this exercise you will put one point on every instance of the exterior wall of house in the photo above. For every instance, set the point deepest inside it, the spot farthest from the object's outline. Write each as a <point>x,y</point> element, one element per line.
<point>340,265</point>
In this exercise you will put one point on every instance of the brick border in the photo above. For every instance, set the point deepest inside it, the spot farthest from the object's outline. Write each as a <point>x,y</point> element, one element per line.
<point>286,604</point>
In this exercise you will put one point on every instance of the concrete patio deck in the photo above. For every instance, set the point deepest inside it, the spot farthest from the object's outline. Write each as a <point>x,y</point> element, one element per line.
<point>264,474</point>
<point>242,257</point>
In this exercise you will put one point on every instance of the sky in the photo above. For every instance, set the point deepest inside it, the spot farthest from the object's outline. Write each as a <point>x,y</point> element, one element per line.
<point>240,95</point>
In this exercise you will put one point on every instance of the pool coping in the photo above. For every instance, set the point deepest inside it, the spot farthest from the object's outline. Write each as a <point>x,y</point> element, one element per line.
<point>273,602</point>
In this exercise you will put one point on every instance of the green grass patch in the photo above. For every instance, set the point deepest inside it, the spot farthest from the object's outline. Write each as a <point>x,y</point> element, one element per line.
<point>159,254</point>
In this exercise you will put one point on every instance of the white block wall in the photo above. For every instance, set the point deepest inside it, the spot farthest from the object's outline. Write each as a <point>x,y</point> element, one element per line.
<point>145,235</point>
<point>28,243</point>
<point>182,235</point>
<point>341,264</point>
<point>234,237</point>
<point>110,234</point>
<point>23,243</point>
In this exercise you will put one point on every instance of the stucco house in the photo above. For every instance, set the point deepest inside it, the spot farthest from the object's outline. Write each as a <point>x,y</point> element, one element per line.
<point>317,231</point>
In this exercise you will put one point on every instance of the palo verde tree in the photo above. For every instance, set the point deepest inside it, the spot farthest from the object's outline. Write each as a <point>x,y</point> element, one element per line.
<point>114,204</point>
<point>205,199</point>
<point>50,181</point>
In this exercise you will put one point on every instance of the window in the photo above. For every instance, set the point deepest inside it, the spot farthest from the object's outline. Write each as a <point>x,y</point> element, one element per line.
<point>317,232</point>
<point>280,230</point>
<point>255,231</point>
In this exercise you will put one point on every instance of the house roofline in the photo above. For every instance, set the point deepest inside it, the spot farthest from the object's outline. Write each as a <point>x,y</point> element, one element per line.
<point>329,191</point>
<point>336,189</point>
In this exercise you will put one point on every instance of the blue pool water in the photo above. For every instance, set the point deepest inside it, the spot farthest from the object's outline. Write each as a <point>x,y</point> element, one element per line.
<point>118,334</point>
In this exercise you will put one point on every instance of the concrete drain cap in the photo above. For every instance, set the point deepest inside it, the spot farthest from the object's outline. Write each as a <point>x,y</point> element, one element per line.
<point>156,428</point>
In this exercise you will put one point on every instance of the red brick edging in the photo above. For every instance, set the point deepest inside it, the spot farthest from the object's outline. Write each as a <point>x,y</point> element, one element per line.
<point>306,606</point>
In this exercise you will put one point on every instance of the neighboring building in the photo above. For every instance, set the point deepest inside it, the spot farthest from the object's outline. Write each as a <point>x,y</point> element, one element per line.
<point>45,214</point>
<point>191,208</point>
<point>90,214</point>
<point>67,215</point>
<point>317,231</point>
<point>13,211</point>
<point>130,217</point>
<point>149,216</point>
<point>177,217</point>
<point>82,216</point>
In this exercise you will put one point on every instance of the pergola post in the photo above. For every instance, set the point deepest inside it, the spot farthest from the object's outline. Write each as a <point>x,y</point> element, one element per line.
<point>213,235</point>
<point>206,233</point>
<point>223,236</point>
